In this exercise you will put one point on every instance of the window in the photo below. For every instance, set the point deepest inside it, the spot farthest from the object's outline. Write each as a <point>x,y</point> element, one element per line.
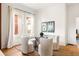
<point>29,25</point>
<point>16,24</point>
<point>22,23</point>
<point>28,21</point>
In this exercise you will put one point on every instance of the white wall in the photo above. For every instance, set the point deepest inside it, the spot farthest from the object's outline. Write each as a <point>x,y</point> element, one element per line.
<point>77,24</point>
<point>5,20</point>
<point>72,14</point>
<point>55,13</point>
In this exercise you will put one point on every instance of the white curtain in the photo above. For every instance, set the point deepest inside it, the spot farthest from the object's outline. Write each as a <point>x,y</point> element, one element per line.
<point>10,40</point>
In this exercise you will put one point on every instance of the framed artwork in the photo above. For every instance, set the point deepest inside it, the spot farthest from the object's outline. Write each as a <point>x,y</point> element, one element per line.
<point>48,26</point>
<point>44,26</point>
<point>51,26</point>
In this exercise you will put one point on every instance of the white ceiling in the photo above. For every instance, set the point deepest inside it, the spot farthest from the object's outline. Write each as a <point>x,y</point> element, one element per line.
<point>37,6</point>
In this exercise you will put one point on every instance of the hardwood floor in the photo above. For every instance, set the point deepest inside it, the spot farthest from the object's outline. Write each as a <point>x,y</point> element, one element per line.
<point>15,51</point>
<point>11,52</point>
<point>67,51</point>
<point>63,51</point>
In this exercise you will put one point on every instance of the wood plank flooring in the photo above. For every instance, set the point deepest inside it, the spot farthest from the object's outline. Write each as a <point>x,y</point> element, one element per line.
<point>15,51</point>
<point>11,52</point>
<point>68,50</point>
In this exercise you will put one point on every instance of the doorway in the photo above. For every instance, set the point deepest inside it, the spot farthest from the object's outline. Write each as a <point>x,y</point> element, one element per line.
<point>77,30</point>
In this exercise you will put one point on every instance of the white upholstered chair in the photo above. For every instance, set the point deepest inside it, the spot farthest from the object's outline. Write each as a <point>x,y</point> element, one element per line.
<point>56,43</point>
<point>45,47</point>
<point>24,46</point>
<point>27,45</point>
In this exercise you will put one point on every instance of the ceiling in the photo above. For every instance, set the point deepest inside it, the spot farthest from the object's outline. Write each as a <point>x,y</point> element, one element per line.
<point>37,6</point>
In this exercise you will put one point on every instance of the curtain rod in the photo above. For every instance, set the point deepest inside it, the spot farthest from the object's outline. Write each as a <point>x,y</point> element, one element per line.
<point>21,10</point>
<point>24,11</point>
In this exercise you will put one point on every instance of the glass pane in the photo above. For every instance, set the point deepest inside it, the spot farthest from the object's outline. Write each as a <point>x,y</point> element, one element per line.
<point>16,24</point>
<point>28,24</point>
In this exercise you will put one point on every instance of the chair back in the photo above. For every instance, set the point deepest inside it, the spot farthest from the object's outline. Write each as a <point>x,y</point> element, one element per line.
<point>45,47</point>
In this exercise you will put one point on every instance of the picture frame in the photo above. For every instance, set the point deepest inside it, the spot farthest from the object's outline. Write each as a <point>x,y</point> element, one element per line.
<point>48,26</point>
<point>44,27</point>
<point>51,26</point>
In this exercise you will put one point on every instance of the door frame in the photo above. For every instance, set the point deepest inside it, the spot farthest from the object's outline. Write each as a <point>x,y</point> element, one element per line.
<point>0,25</point>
